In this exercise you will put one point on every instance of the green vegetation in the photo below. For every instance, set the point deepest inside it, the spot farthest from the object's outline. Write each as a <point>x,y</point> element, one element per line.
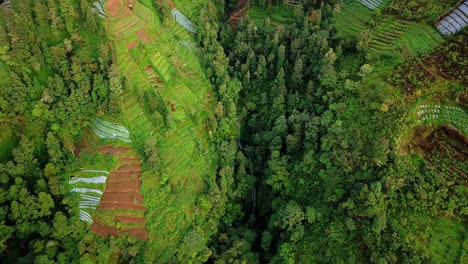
<point>278,15</point>
<point>287,132</point>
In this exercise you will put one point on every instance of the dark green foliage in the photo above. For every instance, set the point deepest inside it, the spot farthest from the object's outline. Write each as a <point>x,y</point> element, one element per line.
<point>54,78</point>
<point>321,143</point>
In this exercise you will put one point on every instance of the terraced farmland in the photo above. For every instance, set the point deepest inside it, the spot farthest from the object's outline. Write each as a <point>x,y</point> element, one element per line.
<point>353,18</point>
<point>393,34</point>
<point>121,207</point>
<point>162,66</point>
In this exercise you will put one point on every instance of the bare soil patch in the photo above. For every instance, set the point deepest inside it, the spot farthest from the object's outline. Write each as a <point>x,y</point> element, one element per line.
<point>131,45</point>
<point>130,168</point>
<point>143,36</point>
<point>238,13</point>
<point>139,233</point>
<point>123,177</point>
<point>128,219</point>
<point>130,161</point>
<point>128,186</point>
<point>109,206</point>
<point>103,230</point>
<point>128,197</point>
<point>113,7</point>
<point>112,150</point>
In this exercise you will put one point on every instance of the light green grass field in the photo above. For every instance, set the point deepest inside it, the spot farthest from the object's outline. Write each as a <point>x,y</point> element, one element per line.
<point>183,146</point>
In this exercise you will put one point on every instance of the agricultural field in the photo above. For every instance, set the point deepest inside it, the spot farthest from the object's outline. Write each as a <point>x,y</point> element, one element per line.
<point>443,114</point>
<point>387,34</point>
<point>121,207</point>
<point>142,131</point>
<point>158,67</point>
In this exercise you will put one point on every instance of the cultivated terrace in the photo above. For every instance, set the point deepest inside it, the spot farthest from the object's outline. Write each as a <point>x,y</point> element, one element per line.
<point>233,131</point>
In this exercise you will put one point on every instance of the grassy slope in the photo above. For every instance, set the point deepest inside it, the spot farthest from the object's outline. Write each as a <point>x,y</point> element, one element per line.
<point>184,148</point>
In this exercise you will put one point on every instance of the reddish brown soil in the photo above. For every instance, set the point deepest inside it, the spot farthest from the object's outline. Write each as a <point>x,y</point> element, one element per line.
<point>103,230</point>
<point>238,13</point>
<point>143,36</point>
<point>122,192</point>
<point>131,45</point>
<point>130,161</point>
<point>139,233</point>
<point>128,186</point>
<point>109,206</point>
<point>171,4</point>
<point>130,167</point>
<point>128,219</point>
<point>126,197</point>
<point>124,178</point>
<point>112,151</point>
<point>113,7</point>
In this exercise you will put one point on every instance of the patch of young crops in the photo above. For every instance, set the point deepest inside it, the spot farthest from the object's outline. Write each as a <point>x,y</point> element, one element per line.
<point>440,114</point>
<point>162,66</point>
<point>352,18</point>
<point>455,20</point>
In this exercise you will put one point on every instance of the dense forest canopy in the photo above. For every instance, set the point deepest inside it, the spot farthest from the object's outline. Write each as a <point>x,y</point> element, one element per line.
<point>318,142</point>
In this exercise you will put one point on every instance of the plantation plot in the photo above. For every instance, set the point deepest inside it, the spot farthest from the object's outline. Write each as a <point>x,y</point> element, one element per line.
<point>352,18</point>
<point>455,20</point>
<point>179,77</point>
<point>108,130</point>
<point>372,4</point>
<point>183,20</point>
<point>440,114</point>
